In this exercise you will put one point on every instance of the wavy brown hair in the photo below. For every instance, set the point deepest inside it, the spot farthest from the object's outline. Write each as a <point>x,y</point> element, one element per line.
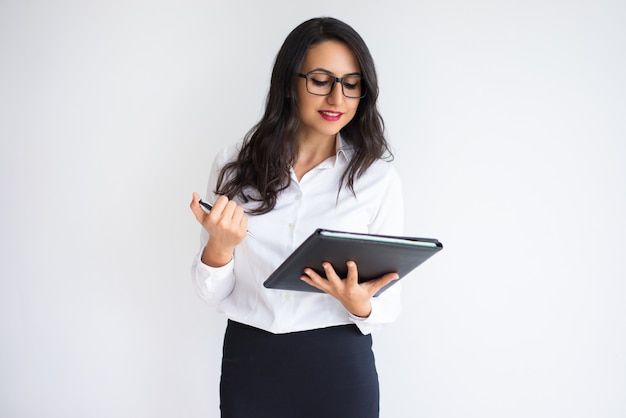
<point>262,168</point>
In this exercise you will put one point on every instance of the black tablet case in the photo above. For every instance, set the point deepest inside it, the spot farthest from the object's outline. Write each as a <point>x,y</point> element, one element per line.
<point>373,258</point>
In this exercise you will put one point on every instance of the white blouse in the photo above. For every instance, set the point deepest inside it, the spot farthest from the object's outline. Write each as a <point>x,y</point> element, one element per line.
<point>237,290</point>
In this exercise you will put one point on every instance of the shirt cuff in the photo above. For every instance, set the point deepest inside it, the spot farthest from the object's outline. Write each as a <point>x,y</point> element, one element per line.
<point>385,309</point>
<point>215,271</point>
<point>369,324</point>
<point>213,283</point>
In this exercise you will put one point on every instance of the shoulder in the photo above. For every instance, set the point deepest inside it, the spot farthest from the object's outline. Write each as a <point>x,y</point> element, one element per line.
<point>382,166</point>
<point>382,171</point>
<point>382,175</point>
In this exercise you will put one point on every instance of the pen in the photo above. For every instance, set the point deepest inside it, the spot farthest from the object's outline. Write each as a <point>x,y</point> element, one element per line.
<point>207,208</point>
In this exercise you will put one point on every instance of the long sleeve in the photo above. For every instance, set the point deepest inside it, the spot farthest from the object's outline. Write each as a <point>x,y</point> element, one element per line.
<point>389,220</point>
<point>213,284</point>
<point>237,290</point>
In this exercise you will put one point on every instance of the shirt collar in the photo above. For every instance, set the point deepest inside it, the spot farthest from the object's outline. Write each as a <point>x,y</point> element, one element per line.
<point>343,151</point>
<point>343,148</point>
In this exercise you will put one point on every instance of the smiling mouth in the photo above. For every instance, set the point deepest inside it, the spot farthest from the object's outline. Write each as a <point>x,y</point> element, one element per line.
<point>332,116</point>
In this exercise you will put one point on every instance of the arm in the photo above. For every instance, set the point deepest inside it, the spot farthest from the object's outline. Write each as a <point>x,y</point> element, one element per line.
<point>366,311</point>
<point>223,228</point>
<point>354,296</point>
<point>226,226</point>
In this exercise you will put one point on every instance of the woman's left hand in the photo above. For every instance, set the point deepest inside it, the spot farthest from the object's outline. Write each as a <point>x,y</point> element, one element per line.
<point>354,296</point>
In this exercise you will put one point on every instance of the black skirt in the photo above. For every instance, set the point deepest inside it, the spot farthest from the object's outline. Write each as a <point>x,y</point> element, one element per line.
<point>327,373</point>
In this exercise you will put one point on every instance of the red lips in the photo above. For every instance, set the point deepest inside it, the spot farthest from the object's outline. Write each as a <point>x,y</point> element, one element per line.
<point>330,115</point>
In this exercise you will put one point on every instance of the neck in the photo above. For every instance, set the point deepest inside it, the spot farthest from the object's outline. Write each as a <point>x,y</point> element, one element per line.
<point>310,147</point>
<point>311,152</point>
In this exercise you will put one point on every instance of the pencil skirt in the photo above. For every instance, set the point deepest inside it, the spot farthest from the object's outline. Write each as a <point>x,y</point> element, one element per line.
<point>322,373</point>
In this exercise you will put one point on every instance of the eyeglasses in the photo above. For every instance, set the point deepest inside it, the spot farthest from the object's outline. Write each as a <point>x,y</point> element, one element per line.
<point>321,84</point>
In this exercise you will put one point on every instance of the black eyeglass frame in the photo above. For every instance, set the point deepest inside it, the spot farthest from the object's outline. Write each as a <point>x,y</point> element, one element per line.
<point>335,81</point>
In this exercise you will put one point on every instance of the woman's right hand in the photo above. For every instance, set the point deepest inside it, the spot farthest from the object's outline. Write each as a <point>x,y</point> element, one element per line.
<point>226,224</point>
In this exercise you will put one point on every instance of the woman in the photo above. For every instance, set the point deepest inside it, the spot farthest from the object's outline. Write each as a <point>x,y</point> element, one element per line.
<point>317,159</point>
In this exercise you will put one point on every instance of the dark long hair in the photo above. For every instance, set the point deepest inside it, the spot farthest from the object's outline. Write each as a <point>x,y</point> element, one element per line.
<point>262,168</point>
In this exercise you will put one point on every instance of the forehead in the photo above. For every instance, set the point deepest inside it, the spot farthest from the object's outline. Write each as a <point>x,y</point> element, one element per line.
<point>333,56</point>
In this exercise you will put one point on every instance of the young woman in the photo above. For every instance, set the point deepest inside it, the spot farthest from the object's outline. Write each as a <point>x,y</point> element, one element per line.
<point>317,159</point>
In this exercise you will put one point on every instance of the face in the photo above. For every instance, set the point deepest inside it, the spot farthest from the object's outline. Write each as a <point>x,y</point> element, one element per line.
<point>324,116</point>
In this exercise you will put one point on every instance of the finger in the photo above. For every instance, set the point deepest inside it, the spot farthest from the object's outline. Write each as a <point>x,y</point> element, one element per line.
<point>239,220</point>
<point>234,217</point>
<point>219,205</point>
<point>238,213</point>
<point>373,286</point>
<point>311,277</point>
<point>331,274</point>
<point>195,207</point>
<point>243,222</point>
<point>222,212</point>
<point>195,201</point>
<point>353,274</point>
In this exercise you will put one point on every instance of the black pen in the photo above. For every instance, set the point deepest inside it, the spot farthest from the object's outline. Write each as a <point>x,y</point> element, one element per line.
<point>207,208</point>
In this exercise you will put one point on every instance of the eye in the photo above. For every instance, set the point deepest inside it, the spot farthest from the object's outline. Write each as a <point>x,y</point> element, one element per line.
<point>319,80</point>
<point>352,83</point>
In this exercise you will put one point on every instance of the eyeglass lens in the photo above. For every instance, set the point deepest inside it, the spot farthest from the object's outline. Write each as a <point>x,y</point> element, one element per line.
<point>322,84</point>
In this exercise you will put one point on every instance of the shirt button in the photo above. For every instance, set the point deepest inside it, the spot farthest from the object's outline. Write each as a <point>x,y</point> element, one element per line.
<point>298,196</point>
<point>291,225</point>
<point>288,296</point>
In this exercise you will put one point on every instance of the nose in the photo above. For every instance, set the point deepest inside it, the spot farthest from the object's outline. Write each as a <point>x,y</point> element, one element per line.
<point>336,95</point>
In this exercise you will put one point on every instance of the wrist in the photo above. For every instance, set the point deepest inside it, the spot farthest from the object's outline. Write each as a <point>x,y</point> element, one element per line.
<point>362,311</point>
<point>216,255</point>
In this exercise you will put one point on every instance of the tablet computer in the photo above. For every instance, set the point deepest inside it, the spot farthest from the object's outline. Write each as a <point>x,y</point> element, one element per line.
<point>374,255</point>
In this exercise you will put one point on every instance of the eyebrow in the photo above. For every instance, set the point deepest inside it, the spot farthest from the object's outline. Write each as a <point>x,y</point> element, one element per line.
<point>324,70</point>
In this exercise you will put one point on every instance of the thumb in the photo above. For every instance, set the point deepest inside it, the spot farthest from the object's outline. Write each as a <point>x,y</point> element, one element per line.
<point>195,206</point>
<point>376,285</point>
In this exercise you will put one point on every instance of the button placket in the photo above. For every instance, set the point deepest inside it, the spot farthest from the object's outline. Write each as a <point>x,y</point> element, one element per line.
<point>298,199</point>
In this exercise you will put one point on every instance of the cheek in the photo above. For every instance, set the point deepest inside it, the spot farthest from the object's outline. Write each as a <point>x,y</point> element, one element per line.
<point>303,102</point>
<point>353,110</point>
<point>302,96</point>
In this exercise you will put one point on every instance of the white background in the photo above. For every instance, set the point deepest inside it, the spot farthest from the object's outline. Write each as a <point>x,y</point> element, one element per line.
<point>507,119</point>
